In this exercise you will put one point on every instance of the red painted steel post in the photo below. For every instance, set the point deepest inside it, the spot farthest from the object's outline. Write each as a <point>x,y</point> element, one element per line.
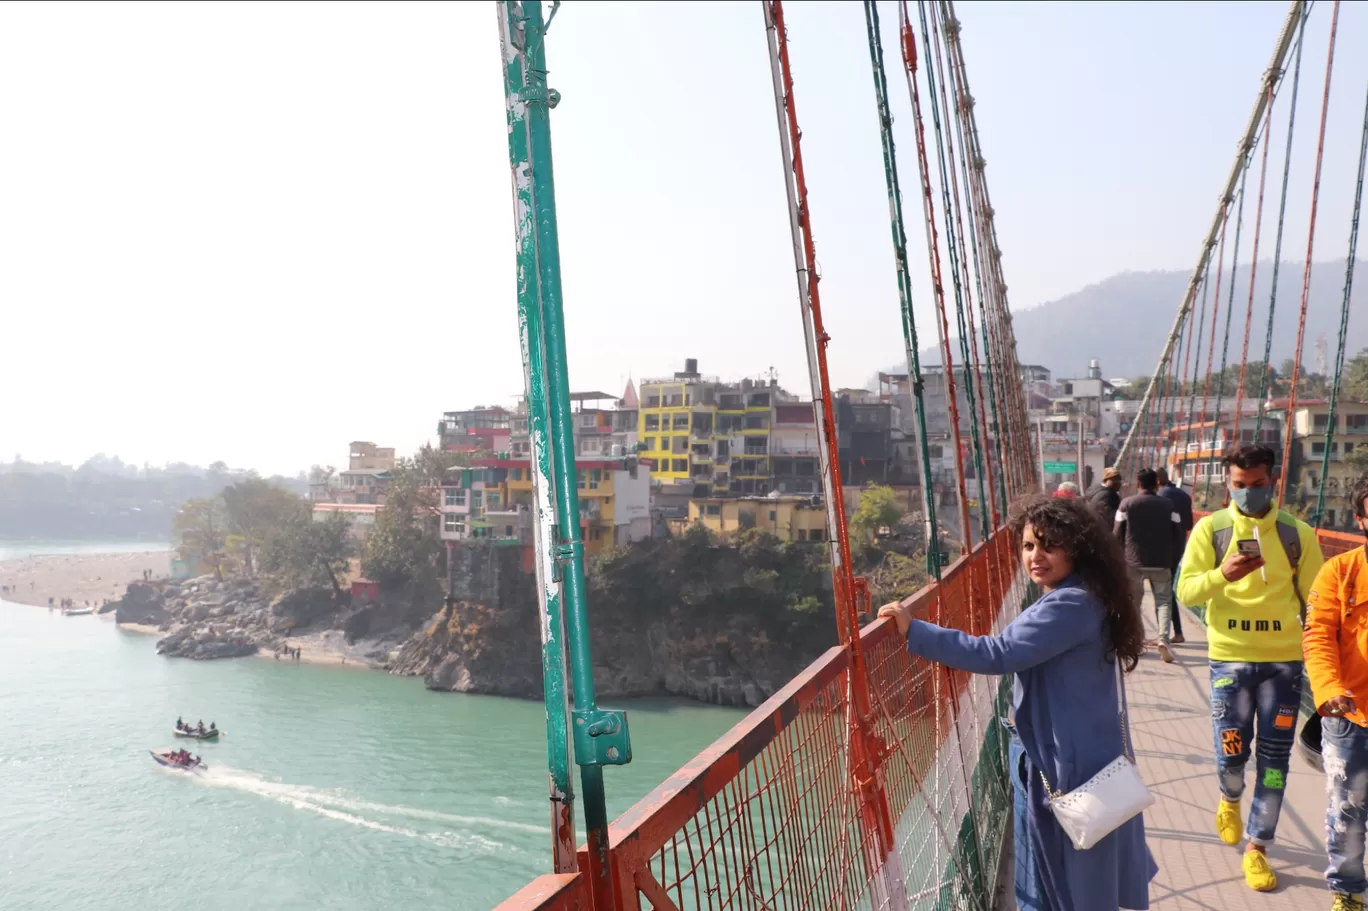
<point>867,751</point>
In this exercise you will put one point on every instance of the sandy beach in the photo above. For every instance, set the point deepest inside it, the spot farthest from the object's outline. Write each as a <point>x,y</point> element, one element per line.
<point>81,577</point>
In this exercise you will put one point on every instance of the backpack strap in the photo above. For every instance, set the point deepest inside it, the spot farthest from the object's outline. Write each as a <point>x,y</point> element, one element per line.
<point>1222,530</point>
<point>1290,536</point>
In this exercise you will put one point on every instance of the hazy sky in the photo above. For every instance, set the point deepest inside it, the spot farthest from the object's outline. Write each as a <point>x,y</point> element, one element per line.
<point>254,232</point>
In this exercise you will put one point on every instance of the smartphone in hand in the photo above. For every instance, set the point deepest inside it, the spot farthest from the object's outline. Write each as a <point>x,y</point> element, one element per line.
<point>1249,547</point>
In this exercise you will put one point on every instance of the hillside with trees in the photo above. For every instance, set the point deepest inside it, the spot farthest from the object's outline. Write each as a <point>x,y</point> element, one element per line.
<point>107,499</point>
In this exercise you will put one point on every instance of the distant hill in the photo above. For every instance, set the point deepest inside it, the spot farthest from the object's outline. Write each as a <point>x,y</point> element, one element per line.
<point>1123,320</point>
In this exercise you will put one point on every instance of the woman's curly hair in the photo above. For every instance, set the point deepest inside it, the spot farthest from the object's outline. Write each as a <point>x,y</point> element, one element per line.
<point>1074,527</point>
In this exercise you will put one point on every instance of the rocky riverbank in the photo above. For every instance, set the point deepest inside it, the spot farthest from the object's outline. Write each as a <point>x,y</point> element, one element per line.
<point>720,624</point>
<point>208,618</point>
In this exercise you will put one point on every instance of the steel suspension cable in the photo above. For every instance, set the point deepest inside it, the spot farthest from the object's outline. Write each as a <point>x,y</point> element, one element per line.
<point>1254,258</point>
<point>909,320</point>
<point>1277,244</point>
<point>992,361</point>
<point>1230,307</point>
<point>1015,404</point>
<point>1281,47</point>
<point>933,253</point>
<point>1177,386</point>
<point>959,267</point>
<point>1197,365</point>
<point>1310,248</point>
<point>881,854</point>
<point>1211,347</point>
<point>1344,315</point>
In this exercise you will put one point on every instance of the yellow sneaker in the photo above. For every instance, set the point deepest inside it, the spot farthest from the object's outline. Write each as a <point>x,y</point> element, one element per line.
<point>1228,824</point>
<point>1346,903</point>
<point>1259,876</point>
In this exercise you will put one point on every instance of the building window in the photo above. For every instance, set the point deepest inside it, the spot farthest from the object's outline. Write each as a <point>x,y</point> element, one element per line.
<point>453,524</point>
<point>650,443</point>
<point>492,501</point>
<point>681,422</point>
<point>455,496</point>
<point>802,534</point>
<point>680,465</point>
<point>476,500</point>
<point>774,515</point>
<point>713,509</point>
<point>652,422</point>
<point>508,531</point>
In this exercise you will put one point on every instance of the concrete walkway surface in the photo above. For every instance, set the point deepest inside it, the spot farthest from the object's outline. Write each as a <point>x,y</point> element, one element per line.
<point>1170,717</point>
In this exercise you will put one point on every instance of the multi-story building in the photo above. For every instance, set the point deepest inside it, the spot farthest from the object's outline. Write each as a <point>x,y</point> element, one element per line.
<point>789,518</point>
<point>698,431</point>
<point>1308,469</point>
<point>366,476</point>
<point>364,456</point>
<point>493,499</point>
<point>481,429</point>
<point>795,456</point>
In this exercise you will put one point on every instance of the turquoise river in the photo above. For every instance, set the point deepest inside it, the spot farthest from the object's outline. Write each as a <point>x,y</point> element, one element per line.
<point>334,787</point>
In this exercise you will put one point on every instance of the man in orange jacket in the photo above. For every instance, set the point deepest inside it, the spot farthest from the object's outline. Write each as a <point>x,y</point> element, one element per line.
<point>1335,645</point>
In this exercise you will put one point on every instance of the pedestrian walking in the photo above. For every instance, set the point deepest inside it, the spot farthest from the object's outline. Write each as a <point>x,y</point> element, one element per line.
<point>1106,497</point>
<point>1065,726</point>
<point>1252,565</point>
<point>1151,534</point>
<point>1182,504</point>
<point>1336,646</point>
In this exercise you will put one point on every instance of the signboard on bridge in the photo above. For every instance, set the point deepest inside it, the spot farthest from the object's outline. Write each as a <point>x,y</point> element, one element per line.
<point>1061,467</point>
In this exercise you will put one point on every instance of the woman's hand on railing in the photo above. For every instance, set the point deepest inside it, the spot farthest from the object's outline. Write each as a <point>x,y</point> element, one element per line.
<point>901,614</point>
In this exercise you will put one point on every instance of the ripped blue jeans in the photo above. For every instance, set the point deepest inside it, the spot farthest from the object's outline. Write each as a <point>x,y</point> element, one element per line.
<point>1241,694</point>
<point>1344,749</point>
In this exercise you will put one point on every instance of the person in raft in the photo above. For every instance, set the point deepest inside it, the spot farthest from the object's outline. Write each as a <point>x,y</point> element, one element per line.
<point>1061,651</point>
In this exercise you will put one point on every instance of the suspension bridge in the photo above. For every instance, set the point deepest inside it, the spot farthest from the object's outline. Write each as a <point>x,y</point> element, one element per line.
<point>874,779</point>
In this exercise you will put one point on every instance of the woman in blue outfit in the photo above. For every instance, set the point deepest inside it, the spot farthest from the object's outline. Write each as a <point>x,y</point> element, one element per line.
<point>1061,650</point>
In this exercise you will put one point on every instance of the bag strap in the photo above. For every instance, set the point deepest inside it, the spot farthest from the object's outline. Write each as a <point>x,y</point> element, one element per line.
<point>1126,749</point>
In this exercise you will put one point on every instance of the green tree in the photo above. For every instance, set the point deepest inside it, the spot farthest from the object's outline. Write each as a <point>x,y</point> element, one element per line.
<point>1355,378</point>
<point>878,509</point>
<point>300,551</point>
<point>403,545</point>
<point>252,508</point>
<point>200,529</point>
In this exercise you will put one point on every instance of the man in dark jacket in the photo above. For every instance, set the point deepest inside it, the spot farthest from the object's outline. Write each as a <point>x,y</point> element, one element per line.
<point>1152,535</point>
<point>1182,504</point>
<point>1106,497</point>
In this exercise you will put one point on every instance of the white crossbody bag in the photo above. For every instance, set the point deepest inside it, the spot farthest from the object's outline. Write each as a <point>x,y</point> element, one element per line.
<point>1098,807</point>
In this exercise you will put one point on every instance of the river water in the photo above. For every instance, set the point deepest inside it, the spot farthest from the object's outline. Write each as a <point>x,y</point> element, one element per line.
<point>333,787</point>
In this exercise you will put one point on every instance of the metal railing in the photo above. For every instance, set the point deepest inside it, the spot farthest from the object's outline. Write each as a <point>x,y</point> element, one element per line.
<point>768,816</point>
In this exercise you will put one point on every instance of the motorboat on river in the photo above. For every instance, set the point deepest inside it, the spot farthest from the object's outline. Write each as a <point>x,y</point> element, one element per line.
<point>179,759</point>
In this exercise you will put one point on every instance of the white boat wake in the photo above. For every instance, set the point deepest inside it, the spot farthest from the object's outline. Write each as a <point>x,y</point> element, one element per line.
<point>345,808</point>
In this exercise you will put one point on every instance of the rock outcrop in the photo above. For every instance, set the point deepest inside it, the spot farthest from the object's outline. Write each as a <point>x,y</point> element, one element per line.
<point>723,646</point>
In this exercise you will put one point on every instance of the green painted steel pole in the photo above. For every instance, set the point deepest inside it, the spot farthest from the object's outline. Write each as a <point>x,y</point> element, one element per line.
<point>554,689</point>
<point>600,737</point>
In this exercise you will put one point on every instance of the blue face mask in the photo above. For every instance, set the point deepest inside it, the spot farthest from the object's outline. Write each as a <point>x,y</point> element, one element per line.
<point>1252,500</point>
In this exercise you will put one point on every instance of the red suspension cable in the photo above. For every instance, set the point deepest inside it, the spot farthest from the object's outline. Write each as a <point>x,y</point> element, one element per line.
<point>1310,247</point>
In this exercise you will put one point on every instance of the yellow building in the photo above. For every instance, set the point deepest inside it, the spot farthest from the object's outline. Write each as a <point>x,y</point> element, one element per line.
<point>697,429</point>
<point>787,518</point>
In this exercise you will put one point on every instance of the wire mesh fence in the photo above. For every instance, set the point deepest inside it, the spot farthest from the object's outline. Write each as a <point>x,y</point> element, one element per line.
<point>776,816</point>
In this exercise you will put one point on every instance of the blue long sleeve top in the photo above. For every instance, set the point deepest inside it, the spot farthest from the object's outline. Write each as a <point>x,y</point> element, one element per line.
<point>1064,697</point>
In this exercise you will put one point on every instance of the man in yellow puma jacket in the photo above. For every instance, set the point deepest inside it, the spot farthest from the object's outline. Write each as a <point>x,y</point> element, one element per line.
<point>1254,631</point>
